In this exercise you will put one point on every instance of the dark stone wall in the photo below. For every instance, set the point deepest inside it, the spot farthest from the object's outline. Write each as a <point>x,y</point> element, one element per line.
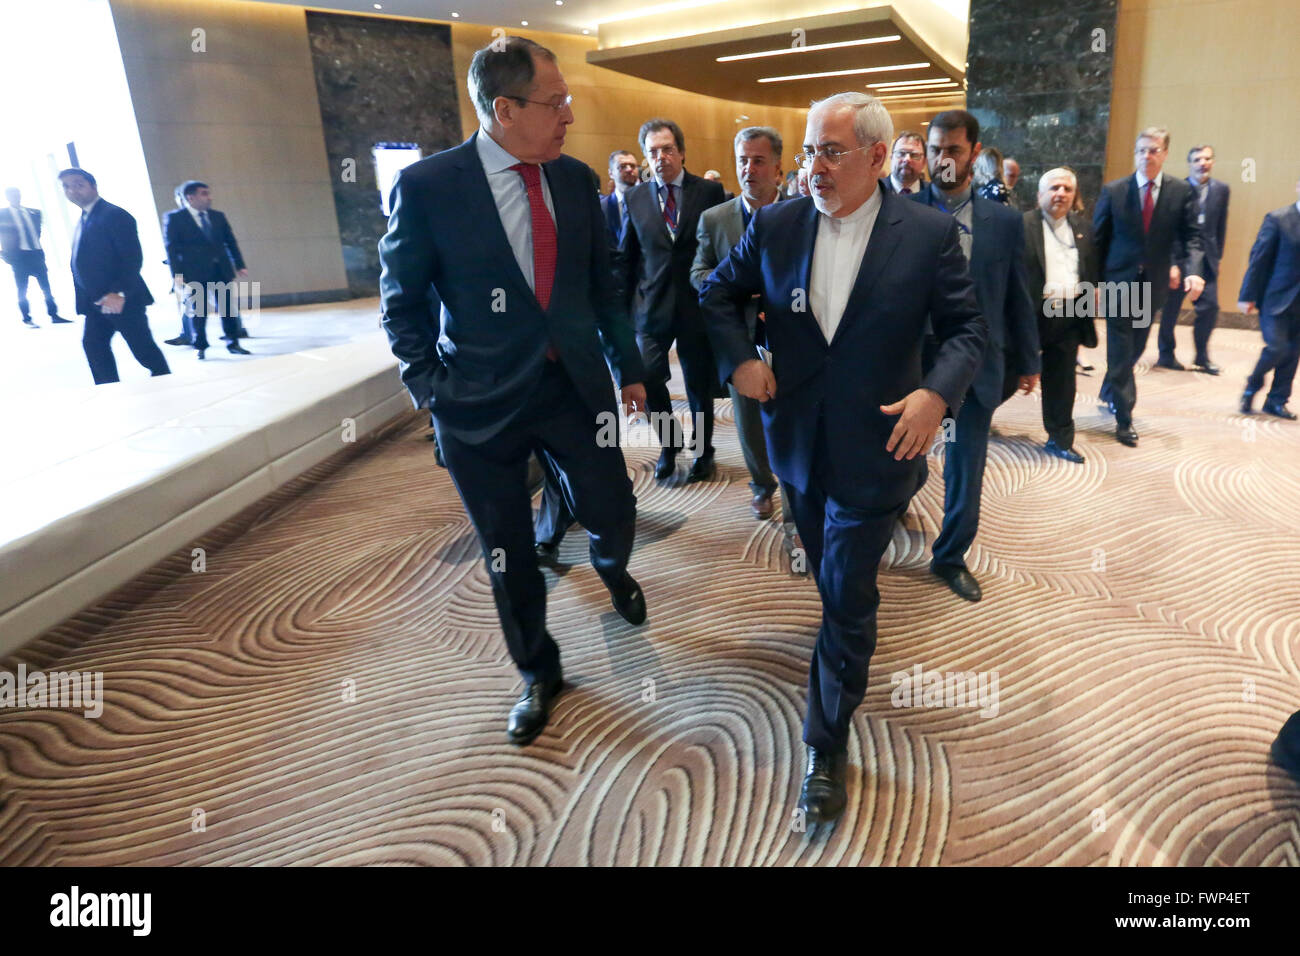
<point>378,81</point>
<point>1039,81</point>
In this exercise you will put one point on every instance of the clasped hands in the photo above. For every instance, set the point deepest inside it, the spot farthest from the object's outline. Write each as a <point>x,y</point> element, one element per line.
<point>920,413</point>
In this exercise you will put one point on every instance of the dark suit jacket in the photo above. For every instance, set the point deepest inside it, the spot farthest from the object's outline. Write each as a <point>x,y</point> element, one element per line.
<point>913,269</point>
<point>1272,279</point>
<point>613,218</point>
<point>1123,248</point>
<point>478,371</point>
<point>1213,230</point>
<point>108,259</point>
<point>1036,265</point>
<point>196,257</point>
<point>997,264</point>
<point>10,241</point>
<point>655,271</point>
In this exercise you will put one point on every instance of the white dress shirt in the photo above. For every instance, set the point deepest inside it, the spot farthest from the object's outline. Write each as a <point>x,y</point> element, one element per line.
<point>511,197</point>
<point>837,256</point>
<point>1155,190</point>
<point>1060,259</point>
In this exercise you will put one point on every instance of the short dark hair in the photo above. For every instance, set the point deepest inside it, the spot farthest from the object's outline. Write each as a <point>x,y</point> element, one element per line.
<point>655,125</point>
<point>1196,149</point>
<point>191,186</point>
<point>78,171</point>
<point>949,120</point>
<point>616,154</point>
<point>503,68</point>
<point>908,134</point>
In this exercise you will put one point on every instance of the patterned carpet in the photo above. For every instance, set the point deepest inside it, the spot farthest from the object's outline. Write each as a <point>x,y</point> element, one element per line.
<point>332,689</point>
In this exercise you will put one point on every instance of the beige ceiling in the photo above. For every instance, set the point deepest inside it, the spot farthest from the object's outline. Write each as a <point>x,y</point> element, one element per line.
<point>691,62</point>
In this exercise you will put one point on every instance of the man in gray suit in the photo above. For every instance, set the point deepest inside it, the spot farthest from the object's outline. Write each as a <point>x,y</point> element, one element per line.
<point>758,168</point>
<point>1212,216</point>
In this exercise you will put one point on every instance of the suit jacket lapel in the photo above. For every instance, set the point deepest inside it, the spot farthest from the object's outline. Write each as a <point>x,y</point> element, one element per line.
<point>982,242</point>
<point>733,223</point>
<point>884,239</point>
<point>690,193</point>
<point>567,231</point>
<point>481,206</point>
<point>1038,243</point>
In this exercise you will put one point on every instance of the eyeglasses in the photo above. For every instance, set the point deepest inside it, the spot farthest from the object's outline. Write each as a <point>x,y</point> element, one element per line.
<point>907,154</point>
<point>831,156</point>
<point>558,107</point>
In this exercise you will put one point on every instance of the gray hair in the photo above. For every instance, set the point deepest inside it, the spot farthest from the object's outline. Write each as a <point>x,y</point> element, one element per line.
<point>757,132</point>
<point>871,122</point>
<point>503,68</point>
<point>1158,133</point>
<point>1057,173</point>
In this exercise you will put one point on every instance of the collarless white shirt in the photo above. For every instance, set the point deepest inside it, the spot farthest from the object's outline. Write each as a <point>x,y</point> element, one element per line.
<point>1060,259</point>
<point>837,255</point>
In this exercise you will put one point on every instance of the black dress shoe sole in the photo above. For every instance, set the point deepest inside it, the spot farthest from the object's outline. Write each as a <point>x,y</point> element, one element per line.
<point>705,475</point>
<point>1278,413</point>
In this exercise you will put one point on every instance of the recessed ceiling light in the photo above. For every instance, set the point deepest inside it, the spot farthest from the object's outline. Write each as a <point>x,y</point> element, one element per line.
<point>938,79</point>
<point>923,95</point>
<point>559,3</point>
<point>379,6</point>
<point>586,31</point>
<point>523,23</point>
<point>455,14</point>
<point>909,89</point>
<point>865,69</point>
<point>808,49</point>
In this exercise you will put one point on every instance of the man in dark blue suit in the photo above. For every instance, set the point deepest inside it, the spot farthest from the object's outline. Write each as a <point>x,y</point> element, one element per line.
<point>1148,242</point>
<point>1212,203</point>
<point>1272,284</point>
<point>508,232</point>
<point>624,171</point>
<point>204,256</point>
<point>850,279</point>
<point>992,238</point>
<point>106,261</point>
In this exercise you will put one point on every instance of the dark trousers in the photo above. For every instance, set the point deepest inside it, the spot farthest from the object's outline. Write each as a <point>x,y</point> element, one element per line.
<point>224,306</point>
<point>963,483</point>
<point>1125,344</point>
<point>492,479</point>
<point>1207,316</point>
<point>1059,337</point>
<point>844,544</point>
<point>97,339</point>
<point>1280,355</point>
<point>554,515</point>
<point>27,264</point>
<point>699,371</point>
<point>753,443</point>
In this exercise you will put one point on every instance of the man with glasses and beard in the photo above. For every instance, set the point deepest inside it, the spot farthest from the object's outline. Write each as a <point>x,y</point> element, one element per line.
<point>847,411</point>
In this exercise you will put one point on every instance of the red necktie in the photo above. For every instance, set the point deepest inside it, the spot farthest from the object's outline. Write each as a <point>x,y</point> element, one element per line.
<point>670,209</point>
<point>1147,208</point>
<point>544,244</point>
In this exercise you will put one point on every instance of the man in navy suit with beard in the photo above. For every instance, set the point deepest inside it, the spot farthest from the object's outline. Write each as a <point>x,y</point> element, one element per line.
<point>508,234</point>
<point>850,279</point>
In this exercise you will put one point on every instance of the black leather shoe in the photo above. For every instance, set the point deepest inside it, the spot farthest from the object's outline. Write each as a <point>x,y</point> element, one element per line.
<point>1171,363</point>
<point>59,320</point>
<point>1069,454</point>
<point>547,554</point>
<point>235,348</point>
<point>1127,436</point>
<point>1286,748</point>
<point>29,323</point>
<point>703,469</point>
<point>628,600</point>
<point>1208,367</point>
<point>1246,399</point>
<point>823,796</point>
<point>1278,411</point>
<point>667,464</point>
<point>531,711</point>
<point>961,581</point>
<point>203,354</point>
<point>179,340</point>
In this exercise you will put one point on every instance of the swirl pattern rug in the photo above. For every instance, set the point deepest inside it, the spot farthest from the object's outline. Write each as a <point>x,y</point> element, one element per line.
<point>332,688</point>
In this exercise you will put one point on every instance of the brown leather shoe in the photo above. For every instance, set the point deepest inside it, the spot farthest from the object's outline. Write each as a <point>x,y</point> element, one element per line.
<point>762,505</point>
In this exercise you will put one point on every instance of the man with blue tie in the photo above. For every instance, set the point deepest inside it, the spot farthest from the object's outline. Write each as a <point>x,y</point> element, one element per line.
<point>111,294</point>
<point>850,281</point>
<point>1272,285</point>
<point>992,237</point>
<point>507,232</point>
<point>1212,217</point>
<point>20,246</point>
<point>625,173</point>
<point>654,261</point>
